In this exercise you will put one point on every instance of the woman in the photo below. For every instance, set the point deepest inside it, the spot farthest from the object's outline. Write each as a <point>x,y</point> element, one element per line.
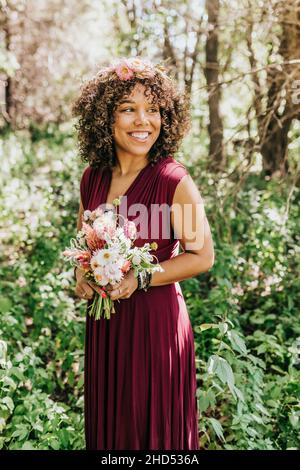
<point>140,375</point>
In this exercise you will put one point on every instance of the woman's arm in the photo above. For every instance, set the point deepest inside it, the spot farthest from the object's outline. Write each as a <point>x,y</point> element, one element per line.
<point>191,227</point>
<point>82,287</point>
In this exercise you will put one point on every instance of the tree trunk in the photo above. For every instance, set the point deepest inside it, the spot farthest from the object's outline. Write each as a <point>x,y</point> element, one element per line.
<point>8,105</point>
<point>215,127</point>
<point>276,123</point>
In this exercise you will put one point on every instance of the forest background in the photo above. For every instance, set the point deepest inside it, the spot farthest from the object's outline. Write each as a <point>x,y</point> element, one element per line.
<point>240,62</point>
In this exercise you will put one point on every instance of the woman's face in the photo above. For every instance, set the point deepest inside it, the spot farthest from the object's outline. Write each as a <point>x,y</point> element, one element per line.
<point>137,123</point>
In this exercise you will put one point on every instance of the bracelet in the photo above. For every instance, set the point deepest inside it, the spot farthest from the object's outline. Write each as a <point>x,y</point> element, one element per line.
<point>148,281</point>
<point>139,281</point>
<point>144,280</point>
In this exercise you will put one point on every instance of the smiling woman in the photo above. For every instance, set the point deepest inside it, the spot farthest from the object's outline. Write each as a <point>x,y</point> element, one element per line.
<point>140,375</point>
<point>107,93</point>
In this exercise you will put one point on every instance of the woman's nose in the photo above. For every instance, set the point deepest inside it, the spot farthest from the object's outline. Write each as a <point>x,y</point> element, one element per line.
<point>141,117</point>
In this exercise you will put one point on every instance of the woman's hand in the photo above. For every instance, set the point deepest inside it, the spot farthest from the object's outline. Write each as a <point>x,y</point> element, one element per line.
<point>82,289</point>
<point>122,290</point>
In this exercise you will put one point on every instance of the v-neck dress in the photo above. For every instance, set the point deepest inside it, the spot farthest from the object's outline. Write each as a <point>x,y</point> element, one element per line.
<point>139,366</point>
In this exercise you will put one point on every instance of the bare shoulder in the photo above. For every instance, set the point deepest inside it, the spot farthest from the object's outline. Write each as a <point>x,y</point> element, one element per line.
<point>187,191</point>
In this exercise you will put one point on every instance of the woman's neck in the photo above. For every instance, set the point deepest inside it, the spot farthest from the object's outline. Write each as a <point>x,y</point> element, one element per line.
<point>127,167</point>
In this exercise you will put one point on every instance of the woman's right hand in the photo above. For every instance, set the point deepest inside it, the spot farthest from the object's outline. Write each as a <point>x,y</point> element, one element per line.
<point>83,289</point>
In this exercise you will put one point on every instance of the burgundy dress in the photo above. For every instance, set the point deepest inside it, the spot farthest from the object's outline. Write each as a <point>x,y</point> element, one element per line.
<point>140,374</point>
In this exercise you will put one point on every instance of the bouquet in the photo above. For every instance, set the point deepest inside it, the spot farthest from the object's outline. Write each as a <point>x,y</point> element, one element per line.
<point>105,250</point>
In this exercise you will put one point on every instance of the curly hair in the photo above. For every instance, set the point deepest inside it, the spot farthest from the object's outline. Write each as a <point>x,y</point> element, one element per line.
<point>99,99</point>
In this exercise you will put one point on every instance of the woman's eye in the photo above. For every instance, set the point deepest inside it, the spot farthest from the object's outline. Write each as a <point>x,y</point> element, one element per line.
<point>155,110</point>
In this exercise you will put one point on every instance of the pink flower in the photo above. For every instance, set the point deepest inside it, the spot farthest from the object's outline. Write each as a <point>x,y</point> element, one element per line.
<point>84,259</point>
<point>92,239</point>
<point>21,281</point>
<point>73,253</point>
<point>126,266</point>
<point>123,71</point>
<point>129,229</point>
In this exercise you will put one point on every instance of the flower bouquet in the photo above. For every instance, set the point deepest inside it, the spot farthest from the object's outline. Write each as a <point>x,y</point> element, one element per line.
<point>105,250</point>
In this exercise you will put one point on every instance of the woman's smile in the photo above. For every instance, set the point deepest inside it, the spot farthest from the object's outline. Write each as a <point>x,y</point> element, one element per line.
<point>139,137</point>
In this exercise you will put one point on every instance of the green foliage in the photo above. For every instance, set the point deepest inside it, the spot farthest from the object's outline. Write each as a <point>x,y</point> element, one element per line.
<point>245,313</point>
<point>41,323</point>
<point>245,310</point>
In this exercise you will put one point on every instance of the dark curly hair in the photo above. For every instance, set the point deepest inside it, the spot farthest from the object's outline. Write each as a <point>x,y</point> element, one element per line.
<point>99,99</point>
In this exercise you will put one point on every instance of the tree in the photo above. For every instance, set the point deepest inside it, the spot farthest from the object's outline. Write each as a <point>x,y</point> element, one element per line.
<point>215,126</point>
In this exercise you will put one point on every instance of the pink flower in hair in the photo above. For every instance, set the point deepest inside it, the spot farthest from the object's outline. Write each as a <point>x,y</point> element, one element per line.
<point>123,71</point>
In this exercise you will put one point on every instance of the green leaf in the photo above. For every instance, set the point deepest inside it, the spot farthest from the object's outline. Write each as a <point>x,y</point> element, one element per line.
<point>9,403</point>
<point>17,373</point>
<point>217,427</point>
<point>223,327</point>
<point>21,433</point>
<point>261,408</point>
<point>261,348</point>
<point>239,394</point>
<point>38,427</point>
<point>294,420</point>
<point>237,342</point>
<point>54,444</point>
<point>5,304</point>
<point>251,432</point>
<point>27,446</point>
<point>2,424</point>
<point>203,401</point>
<point>80,381</point>
<point>3,350</point>
<point>9,381</point>
<point>207,326</point>
<point>64,437</point>
<point>224,372</point>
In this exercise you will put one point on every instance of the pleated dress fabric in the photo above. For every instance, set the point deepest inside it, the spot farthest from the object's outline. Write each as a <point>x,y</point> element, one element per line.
<point>139,368</point>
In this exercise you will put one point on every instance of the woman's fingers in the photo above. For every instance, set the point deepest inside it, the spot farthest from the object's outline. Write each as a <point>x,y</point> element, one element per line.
<point>119,293</point>
<point>95,287</point>
<point>111,287</point>
<point>83,294</point>
<point>84,288</point>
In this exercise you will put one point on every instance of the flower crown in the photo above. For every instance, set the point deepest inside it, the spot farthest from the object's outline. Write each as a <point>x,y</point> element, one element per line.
<point>126,68</point>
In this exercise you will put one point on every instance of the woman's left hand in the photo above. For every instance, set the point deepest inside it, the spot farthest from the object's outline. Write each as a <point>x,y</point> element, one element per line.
<point>122,290</point>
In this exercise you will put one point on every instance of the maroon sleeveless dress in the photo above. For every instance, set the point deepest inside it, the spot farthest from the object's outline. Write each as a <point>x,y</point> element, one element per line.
<point>140,374</point>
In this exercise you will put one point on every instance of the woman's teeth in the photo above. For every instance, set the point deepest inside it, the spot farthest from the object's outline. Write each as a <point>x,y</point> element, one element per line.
<point>139,136</point>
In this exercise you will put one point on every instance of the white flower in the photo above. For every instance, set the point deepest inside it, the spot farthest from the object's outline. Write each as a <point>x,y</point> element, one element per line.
<point>100,277</point>
<point>136,259</point>
<point>114,273</point>
<point>87,214</point>
<point>105,257</point>
<point>95,263</point>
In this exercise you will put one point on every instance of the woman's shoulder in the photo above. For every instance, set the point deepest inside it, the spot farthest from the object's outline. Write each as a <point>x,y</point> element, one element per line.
<point>88,179</point>
<point>170,174</point>
<point>172,170</point>
<point>89,173</point>
<point>89,170</point>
